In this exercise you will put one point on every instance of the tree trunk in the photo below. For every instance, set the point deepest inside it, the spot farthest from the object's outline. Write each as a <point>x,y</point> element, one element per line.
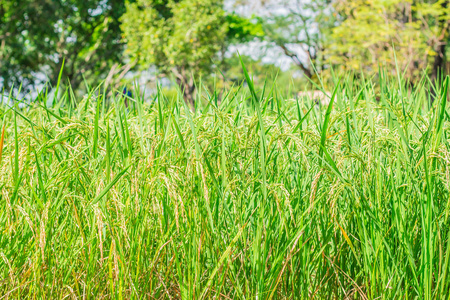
<point>188,93</point>
<point>187,86</point>
<point>440,60</point>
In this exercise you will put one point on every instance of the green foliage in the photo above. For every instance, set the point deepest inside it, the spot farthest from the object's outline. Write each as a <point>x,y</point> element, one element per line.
<point>241,30</point>
<point>256,197</point>
<point>37,35</point>
<point>182,41</point>
<point>361,35</point>
<point>185,38</point>
<point>370,31</point>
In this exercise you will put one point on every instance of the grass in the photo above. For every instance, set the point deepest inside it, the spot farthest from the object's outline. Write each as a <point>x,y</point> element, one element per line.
<point>258,197</point>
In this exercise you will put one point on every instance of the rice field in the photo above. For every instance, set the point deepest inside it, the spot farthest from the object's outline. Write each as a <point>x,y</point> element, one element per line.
<point>251,196</point>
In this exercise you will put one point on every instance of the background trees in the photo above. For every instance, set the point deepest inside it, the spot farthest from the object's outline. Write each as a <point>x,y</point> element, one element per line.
<point>185,39</point>
<point>369,31</point>
<point>300,30</point>
<point>360,35</point>
<point>178,37</point>
<point>37,35</point>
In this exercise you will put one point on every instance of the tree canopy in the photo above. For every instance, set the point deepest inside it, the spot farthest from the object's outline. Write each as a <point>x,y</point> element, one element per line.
<point>182,37</point>
<point>360,35</point>
<point>37,35</point>
<point>370,32</point>
<point>187,39</point>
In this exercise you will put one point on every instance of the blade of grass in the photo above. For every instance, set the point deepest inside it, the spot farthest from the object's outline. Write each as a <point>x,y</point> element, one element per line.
<point>110,185</point>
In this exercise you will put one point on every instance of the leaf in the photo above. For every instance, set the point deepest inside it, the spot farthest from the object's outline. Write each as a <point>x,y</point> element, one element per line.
<point>2,139</point>
<point>323,137</point>
<point>110,185</point>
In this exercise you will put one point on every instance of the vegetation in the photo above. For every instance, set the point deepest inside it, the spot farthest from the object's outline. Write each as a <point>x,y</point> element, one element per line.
<point>224,184</point>
<point>359,35</point>
<point>36,36</point>
<point>185,38</point>
<point>258,196</point>
<point>178,37</point>
<point>302,33</point>
<point>371,30</point>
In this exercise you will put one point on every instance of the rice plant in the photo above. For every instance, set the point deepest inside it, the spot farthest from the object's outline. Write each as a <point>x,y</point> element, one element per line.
<point>255,196</point>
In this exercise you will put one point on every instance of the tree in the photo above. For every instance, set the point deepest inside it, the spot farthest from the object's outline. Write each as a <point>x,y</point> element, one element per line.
<point>441,11</point>
<point>18,56</point>
<point>299,29</point>
<point>242,30</point>
<point>37,35</point>
<point>178,37</point>
<point>370,31</point>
